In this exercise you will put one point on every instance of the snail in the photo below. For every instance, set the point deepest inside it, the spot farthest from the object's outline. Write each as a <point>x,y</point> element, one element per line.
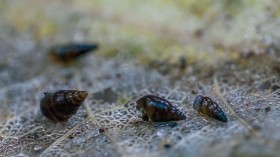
<point>61,105</point>
<point>157,109</point>
<point>69,52</point>
<point>209,107</point>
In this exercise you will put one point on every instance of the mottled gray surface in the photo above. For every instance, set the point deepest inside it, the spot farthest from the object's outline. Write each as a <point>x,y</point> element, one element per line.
<point>25,132</point>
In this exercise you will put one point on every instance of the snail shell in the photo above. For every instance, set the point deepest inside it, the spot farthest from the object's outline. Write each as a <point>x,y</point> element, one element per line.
<point>61,105</point>
<point>210,108</point>
<point>157,109</point>
<point>69,52</point>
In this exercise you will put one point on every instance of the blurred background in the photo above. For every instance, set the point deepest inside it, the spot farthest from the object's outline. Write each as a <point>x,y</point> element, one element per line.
<point>154,32</point>
<point>203,30</point>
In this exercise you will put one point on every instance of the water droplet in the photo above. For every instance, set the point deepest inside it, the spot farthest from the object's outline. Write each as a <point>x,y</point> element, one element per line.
<point>160,132</point>
<point>21,155</point>
<point>78,141</point>
<point>37,147</point>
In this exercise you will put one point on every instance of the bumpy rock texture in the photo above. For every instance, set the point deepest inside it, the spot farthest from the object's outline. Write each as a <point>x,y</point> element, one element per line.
<point>242,76</point>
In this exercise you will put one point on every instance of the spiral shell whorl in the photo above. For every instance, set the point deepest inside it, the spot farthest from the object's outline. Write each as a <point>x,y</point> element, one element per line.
<point>210,108</point>
<point>157,109</point>
<point>61,105</point>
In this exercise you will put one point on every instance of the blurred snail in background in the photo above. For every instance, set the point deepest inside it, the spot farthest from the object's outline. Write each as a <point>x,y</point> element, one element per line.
<point>61,105</point>
<point>67,53</point>
<point>156,109</point>
<point>210,108</point>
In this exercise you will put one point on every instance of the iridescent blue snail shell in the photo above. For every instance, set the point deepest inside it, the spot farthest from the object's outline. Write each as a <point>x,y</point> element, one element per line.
<point>157,109</point>
<point>209,107</point>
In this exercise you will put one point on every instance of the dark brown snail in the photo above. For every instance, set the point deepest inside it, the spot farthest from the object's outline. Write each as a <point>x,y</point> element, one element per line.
<point>61,105</point>
<point>210,108</point>
<point>69,52</point>
<point>157,109</point>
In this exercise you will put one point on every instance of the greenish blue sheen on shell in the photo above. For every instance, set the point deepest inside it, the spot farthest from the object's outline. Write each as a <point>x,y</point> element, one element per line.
<point>157,109</point>
<point>70,52</point>
<point>210,108</point>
